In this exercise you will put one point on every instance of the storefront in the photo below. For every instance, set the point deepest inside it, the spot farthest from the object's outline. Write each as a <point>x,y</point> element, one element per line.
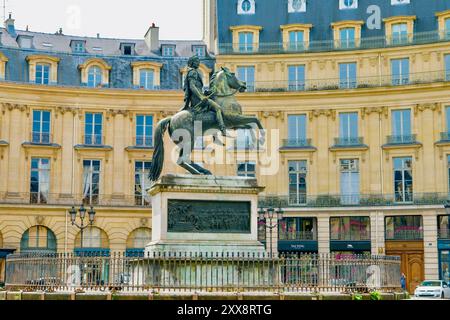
<point>297,235</point>
<point>350,236</point>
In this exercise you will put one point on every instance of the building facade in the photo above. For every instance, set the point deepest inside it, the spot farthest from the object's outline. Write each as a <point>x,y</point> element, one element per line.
<point>355,98</point>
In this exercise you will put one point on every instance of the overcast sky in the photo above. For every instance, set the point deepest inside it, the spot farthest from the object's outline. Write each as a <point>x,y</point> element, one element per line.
<point>177,19</point>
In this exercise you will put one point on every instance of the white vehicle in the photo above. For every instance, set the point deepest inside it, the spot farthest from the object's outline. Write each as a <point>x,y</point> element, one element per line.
<point>433,289</point>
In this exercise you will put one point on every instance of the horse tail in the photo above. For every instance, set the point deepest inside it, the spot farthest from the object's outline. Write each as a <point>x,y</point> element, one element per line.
<point>158,154</point>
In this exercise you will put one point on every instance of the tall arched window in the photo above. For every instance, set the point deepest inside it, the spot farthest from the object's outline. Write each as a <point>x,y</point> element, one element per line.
<point>94,241</point>
<point>38,239</point>
<point>94,77</point>
<point>138,240</point>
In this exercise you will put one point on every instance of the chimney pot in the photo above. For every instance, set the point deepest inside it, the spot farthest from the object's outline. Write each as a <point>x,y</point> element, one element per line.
<point>152,37</point>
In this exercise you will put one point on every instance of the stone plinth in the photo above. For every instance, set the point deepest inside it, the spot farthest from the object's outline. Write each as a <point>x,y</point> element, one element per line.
<point>205,214</point>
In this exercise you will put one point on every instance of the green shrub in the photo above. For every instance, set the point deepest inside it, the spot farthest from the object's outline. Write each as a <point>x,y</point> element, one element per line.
<point>375,295</point>
<point>357,297</point>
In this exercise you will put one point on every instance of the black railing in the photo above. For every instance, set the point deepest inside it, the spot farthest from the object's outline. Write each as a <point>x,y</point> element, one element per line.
<point>348,141</point>
<point>412,234</point>
<point>41,137</point>
<point>354,200</point>
<point>93,140</point>
<point>402,139</point>
<point>297,143</point>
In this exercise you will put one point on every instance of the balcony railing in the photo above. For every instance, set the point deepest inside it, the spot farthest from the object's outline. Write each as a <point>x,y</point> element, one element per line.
<point>402,139</point>
<point>334,45</point>
<point>297,236</point>
<point>56,199</point>
<point>445,136</point>
<point>41,137</point>
<point>297,143</point>
<point>143,141</point>
<point>444,233</point>
<point>93,140</point>
<point>404,235</point>
<point>346,236</point>
<point>360,200</point>
<point>360,83</point>
<point>348,141</point>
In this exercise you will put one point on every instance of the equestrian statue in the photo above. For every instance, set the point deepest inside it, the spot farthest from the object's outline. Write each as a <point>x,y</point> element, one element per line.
<point>217,109</point>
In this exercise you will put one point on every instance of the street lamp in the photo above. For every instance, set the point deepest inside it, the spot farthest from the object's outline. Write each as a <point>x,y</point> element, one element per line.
<point>82,212</point>
<point>267,216</point>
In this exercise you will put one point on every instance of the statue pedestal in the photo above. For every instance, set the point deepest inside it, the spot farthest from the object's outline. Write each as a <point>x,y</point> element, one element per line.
<point>205,215</point>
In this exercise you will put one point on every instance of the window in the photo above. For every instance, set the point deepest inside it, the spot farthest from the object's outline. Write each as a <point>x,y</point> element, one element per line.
<point>244,139</point>
<point>348,4</point>
<point>350,228</point>
<point>447,117</point>
<point>245,41</point>
<point>246,7</point>
<point>297,182</point>
<point>400,71</point>
<point>296,40</point>
<point>350,181</point>
<point>168,51</point>
<point>296,78</point>
<point>42,74</point>
<point>348,128</point>
<point>447,67</point>
<point>146,79</point>
<point>127,50</point>
<point>144,131</point>
<point>41,127</point>
<point>347,38</point>
<point>403,180</point>
<point>93,238</point>
<point>78,46</point>
<point>444,227</point>
<point>246,169</point>
<point>38,239</point>
<point>347,75</point>
<point>297,229</point>
<point>247,74</point>
<point>401,126</point>
<point>404,228</point>
<point>94,77</point>
<point>399,33</point>
<point>39,180</point>
<point>199,51</point>
<point>93,129</point>
<point>91,181</point>
<point>139,239</point>
<point>447,28</point>
<point>448,172</point>
<point>297,130</point>
<point>25,42</point>
<point>141,182</point>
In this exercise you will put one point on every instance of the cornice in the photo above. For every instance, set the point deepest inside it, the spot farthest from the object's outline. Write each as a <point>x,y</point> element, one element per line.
<point>42,57</point>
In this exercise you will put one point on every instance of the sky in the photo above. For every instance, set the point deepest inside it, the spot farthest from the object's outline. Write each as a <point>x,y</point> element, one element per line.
<point>129,19</point>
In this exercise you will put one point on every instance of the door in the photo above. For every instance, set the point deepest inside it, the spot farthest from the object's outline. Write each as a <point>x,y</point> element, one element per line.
<point>412,266</point>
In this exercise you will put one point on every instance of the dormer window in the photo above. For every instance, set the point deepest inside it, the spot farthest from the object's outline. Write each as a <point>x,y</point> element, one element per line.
<point>200,51</point>
<point>77,46</point>
<point>127,49</point>
<point>168,50</point>
<point>25,42</point>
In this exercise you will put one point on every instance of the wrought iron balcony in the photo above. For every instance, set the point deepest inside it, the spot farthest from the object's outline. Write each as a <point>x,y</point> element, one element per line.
<point>348,141</point>
<point>297,143</point>
<point>41,138</point>
<point>445,136</point>
<point>411,235</point>
<point>56,199</point>
<point>93,140</point>
<point>352,200</point>
<point>297,236</point>
<point>402,139</point>
<point>143,141</point>
<point>333,45</point>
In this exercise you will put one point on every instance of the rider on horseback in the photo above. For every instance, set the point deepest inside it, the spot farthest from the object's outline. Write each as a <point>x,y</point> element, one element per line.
<point>195,100</point>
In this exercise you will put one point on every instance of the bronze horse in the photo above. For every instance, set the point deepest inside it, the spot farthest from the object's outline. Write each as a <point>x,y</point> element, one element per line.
<point>224,85</point>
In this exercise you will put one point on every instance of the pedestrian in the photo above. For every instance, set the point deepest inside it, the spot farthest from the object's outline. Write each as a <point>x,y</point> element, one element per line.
<point>403,281</point>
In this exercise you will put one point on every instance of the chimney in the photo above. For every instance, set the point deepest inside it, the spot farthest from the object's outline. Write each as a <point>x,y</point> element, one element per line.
<point>9,25</point>
<point>152,37</point>
<point>98,35</point>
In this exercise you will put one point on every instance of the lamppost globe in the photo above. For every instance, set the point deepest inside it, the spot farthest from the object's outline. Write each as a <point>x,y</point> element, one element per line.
<point>82,212</point>
<point>261,214</point>
<point>73,215</point>
<point>91,215</point>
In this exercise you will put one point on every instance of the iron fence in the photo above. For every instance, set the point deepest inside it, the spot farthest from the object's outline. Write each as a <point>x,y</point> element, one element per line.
<point>218,272</point>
